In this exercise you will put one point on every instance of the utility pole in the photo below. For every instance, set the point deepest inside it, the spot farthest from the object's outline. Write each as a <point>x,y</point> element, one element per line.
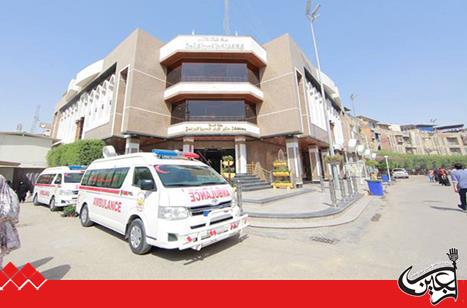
<point>312,15</point>
<point>226,18</point>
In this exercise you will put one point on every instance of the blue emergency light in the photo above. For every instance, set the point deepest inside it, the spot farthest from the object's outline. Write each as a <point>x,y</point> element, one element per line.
<point>165,152</point>
<point>76,167</point>
<point>175,153</point>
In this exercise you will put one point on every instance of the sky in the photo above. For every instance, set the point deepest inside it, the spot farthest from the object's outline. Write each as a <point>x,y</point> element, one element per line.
<point>406,61</point>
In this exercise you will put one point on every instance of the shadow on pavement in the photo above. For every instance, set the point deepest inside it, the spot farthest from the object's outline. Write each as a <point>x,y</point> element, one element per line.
<point>189,255</point>
<point>446,209</point>
<point>192,256</point>
<point>36,264</point>
<point>57,272</point>
<point>54,273</point>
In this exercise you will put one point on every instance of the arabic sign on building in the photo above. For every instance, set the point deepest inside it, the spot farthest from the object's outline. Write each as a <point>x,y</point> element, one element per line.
<point>214,43</point>
<point>235,128</point>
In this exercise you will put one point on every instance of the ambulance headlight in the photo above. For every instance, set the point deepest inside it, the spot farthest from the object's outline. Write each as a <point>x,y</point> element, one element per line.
<point>66,192</point>
<point>173,212</point>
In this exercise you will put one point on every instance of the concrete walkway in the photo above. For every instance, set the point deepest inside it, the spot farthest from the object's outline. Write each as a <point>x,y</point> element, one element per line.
<point>309,208</point>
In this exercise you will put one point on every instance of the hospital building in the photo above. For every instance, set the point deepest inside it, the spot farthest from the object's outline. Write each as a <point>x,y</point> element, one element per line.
<point>214,95</point>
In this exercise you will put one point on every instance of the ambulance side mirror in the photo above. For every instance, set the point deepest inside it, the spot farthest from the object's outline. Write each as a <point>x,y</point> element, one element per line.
<point>147,185</point>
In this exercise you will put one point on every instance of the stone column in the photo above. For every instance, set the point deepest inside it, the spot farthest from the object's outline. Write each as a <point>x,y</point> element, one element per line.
<point>315,162</point>
<point>294,161</point>
<point>188,144</point>
<point>240,155</point>
<point>131,145</point>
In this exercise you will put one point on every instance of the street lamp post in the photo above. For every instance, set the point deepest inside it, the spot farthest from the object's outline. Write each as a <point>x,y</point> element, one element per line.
<point>387,167</point>
<point>312,15</point>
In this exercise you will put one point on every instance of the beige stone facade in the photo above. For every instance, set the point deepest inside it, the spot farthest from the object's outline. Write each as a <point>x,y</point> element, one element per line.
<point>132,99</point>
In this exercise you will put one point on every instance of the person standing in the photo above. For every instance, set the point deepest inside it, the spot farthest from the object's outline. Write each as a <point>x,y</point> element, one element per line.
<point>459,180</point>
<point>22,191</point>
<point>9,214</point>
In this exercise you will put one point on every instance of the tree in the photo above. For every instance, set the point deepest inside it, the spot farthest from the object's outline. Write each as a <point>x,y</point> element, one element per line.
<point>420,163</point>
<point>81,152</point>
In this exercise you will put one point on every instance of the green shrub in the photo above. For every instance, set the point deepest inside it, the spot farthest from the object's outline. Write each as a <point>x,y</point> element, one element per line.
<point>81,152</point>
<point>69,211</point>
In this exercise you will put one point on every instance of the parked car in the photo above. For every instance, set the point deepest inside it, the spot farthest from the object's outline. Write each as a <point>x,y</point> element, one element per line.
<point>400,173</point>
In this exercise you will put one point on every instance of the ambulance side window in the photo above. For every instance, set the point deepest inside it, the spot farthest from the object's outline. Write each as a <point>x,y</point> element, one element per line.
<point>50,178</point>
<point>58,180</point>
<point>85,179</point>
<point>92,178</point>
<point>119,176</point>
<point>140,174</point>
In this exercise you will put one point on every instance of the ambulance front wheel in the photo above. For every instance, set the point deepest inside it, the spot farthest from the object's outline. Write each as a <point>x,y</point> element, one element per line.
<point>34,200</point>
<point>84,216</point>
<point>137,237</point>
<point>52,204</point>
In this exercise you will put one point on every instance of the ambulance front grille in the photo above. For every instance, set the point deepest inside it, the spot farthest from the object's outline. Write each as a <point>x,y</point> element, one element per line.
<point>200,209</point>
<point>212,222</point>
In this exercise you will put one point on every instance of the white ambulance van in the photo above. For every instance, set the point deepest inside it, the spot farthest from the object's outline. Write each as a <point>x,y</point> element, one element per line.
<point>58,186</point>
<point>165,198</point>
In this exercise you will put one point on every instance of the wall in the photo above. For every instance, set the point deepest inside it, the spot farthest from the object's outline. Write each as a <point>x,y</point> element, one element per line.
<point>279,113</point>
<point>7,173</point>
<point>28,151</point>
<point>145,110</point>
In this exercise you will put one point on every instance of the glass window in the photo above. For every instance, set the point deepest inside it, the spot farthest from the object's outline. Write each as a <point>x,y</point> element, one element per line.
<point>92,178</point>
<point>85,178</point>
<point>213,110</point>
<point>118,177</point>
<point>213,72</point>
<point>73,177</point>
<point>185,175</point>
<point>140,174</point>
<point>58,180</point>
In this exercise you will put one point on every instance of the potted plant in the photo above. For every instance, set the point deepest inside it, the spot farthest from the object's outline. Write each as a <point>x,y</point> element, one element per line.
<point>333,159</point>
<point>280,171</point>
<point>228,172</point>
<point>227,160</point>
<point>282,184</point>
<point>279,163</point>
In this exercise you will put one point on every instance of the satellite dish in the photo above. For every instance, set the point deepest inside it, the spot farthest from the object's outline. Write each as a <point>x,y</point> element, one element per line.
<point>108,151</point>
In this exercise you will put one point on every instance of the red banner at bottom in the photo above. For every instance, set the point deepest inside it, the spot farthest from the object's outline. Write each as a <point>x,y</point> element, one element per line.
<point>220,293</point>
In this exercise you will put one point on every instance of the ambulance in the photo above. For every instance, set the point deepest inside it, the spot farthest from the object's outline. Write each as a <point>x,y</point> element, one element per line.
<point>166,199</point>
<point>58,187</point>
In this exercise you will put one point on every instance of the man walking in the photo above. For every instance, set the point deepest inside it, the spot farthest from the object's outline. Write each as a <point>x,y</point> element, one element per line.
<point>459,179</point>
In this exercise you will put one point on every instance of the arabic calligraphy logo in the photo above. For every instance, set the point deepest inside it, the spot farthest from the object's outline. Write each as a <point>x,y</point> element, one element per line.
<point>10,274</point>
<point>440,282</point>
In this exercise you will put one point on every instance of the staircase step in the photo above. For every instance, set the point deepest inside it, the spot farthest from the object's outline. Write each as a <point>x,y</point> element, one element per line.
<point>256,187</point>
<point>253,183</point>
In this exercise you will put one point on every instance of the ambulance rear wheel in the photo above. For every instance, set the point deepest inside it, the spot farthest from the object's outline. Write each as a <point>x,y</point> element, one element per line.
<point>84,217</point>
<point>137,237</point>
<point>52,206</point>
<point>34,200</point>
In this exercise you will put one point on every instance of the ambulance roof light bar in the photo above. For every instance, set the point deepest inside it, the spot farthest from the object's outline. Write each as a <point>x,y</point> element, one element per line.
<point>76,167</point>
<point>174,154</point>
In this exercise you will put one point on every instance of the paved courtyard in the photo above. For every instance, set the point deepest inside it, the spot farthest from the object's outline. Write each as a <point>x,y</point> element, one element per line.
<point>415,224</point>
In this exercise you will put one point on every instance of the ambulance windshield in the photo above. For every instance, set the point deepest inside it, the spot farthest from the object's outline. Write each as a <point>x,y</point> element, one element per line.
<point>73,177</point>
<point>186,175</point>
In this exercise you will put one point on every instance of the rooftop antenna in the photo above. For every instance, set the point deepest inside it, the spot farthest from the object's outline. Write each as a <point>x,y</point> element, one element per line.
<point>35,119</point>
<point>226,18</point>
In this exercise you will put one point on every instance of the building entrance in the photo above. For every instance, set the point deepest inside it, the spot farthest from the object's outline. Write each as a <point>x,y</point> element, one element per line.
<point>213,157</point>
